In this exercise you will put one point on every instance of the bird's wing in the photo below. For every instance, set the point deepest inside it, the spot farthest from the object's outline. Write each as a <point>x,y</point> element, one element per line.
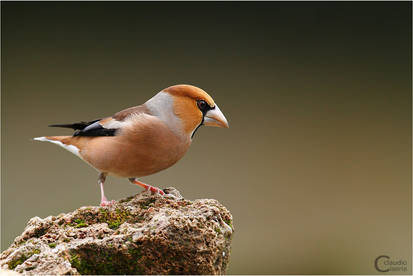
<point>75,126</point>
<point>107,126</point>
<point>127,113</point>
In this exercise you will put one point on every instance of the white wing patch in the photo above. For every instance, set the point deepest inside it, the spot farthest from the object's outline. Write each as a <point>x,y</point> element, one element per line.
<point>70,148</point>
<point>135,119</point>
<point>114,124</point>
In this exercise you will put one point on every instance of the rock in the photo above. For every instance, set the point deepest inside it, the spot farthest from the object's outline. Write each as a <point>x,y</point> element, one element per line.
<point>7,272</point>
<point>142,234</point>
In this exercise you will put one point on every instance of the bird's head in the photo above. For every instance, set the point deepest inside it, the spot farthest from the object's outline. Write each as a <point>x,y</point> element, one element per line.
<point>194,107</point>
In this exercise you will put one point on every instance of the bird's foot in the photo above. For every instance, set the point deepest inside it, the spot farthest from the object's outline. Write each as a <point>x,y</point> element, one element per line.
<point>155,190</point>
<point>152,189</point>
<point>104,202</point>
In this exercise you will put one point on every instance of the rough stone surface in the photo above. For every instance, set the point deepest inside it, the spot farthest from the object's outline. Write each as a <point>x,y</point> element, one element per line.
<point>142,234</point>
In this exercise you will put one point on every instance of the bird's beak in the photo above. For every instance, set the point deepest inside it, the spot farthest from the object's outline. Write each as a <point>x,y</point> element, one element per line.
<point>214,117</point>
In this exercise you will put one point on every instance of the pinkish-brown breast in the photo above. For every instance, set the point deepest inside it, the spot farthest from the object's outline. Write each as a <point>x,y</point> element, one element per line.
<point>144,148</point>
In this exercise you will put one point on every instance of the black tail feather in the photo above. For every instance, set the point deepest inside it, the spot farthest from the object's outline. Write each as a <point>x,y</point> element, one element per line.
<point>79,126</point>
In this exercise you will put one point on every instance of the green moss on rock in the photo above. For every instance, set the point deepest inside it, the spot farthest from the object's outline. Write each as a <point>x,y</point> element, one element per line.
<point>229,222</point>
<point>40,232</point>
<point>149,202</point>
<point>114,218</point>
<point>14,263</point>
<point>18,261</point>
<point>107,262</point>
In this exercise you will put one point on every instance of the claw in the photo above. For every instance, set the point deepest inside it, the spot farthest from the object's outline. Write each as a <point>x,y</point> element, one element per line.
<point>155,190</point>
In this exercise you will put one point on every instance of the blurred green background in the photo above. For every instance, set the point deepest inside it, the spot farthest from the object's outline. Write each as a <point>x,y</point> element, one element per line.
<point>316,165</point>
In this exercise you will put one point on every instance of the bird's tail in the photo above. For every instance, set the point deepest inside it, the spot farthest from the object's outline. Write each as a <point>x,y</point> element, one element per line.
<point>62,141</point>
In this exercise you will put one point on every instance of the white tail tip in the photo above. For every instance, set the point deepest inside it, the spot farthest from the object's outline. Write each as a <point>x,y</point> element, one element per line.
<point>43,139</point>
<point>73,149</point>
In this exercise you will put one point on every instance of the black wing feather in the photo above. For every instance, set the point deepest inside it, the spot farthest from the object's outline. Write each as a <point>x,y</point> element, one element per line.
<point>96,132</point>
<point>80,125</point>
<point>88,129</point>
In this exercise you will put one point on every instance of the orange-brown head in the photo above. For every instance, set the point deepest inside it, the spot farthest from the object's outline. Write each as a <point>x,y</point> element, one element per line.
<point>195,108</point>
<point>186,107</point>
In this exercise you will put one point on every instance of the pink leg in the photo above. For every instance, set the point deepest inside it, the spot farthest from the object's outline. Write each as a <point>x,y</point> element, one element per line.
<point>103,199</point>
<point>147,187</point>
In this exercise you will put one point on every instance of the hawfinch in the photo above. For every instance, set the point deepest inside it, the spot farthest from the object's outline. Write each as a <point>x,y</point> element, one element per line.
<point>144,139</point>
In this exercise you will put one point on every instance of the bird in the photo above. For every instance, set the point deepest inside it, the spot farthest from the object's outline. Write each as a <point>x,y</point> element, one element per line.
<point>144,139</point>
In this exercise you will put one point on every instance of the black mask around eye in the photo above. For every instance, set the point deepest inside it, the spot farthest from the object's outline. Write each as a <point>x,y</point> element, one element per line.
<point>203,106</point>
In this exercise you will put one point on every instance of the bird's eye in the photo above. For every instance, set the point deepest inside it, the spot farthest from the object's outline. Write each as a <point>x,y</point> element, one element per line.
<point>202,105</point>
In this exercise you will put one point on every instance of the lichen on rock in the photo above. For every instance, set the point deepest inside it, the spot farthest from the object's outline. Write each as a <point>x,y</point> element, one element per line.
<point>142,234</point>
